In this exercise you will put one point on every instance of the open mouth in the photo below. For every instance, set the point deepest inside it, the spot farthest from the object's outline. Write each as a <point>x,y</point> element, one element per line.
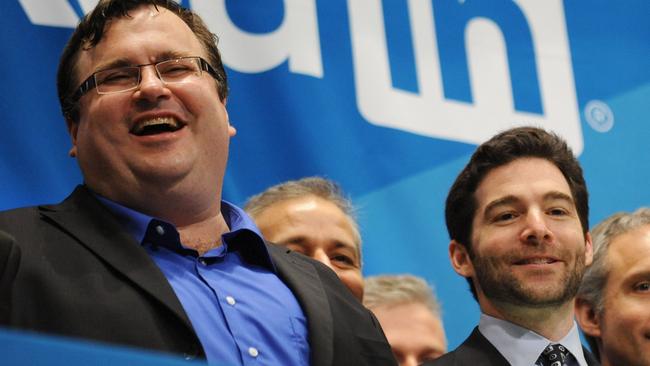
<point>156,126</point>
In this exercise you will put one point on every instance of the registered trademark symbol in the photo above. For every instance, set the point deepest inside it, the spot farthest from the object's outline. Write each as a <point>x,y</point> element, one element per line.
<point>599,116</point>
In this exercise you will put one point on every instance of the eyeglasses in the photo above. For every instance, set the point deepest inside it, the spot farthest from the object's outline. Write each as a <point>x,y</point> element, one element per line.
<point>122,79</point>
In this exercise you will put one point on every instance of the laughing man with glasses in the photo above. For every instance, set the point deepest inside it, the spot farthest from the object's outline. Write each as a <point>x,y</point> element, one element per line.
<point>145,253</point>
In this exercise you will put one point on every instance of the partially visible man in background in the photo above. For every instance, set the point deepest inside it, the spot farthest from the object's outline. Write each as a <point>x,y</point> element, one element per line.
<point>613,303</point>
<point>313,217</point>
<point>410,315</point>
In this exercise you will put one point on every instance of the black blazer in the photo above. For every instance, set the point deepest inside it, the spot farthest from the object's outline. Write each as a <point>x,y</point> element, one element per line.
<point>73,271</point>
<point>476,350</point>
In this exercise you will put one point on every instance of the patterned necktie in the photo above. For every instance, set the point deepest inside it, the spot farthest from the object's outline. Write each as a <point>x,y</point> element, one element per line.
<point>553,355</point>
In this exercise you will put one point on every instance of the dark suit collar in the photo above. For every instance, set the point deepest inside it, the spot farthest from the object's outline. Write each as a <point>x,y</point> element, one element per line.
<point>476,350</point>
<point>301,277</point>
<point>477,345</point>
<point>591,359</point>
<point>94,227</point>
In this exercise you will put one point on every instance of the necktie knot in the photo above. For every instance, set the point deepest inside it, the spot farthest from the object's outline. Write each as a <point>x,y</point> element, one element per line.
<point>553,355</point>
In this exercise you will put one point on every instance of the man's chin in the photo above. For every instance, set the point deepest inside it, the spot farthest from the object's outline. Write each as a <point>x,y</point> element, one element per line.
<point>538,296</point>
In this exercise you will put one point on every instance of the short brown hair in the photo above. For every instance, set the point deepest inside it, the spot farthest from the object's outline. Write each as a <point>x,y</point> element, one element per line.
<point>91,29</point>
<point>500,150</point>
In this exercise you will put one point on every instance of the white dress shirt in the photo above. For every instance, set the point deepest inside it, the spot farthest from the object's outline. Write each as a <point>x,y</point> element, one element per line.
<point>522,347</point>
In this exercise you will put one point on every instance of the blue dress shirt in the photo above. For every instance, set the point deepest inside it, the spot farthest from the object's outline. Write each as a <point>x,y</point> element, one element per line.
<point>241,311</point>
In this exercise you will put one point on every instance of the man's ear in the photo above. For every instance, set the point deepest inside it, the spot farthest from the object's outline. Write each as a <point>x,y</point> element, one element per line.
<point>232,131</point>
<point>589,250</point>
<point>587,318</point>
<point>73,128</point>
<point>460,260</point>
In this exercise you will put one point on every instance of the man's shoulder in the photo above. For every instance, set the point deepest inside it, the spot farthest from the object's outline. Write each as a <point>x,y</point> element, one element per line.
<point>342,324</point>
<point>476,350</point>
<point>80,193</point>
<point>30,223</point>
<point>290,263</point>
<point>311,270</point>
<point>19,218</point>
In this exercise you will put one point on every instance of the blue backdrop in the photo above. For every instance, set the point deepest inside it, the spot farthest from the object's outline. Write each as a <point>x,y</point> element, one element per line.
<point>389,98</point>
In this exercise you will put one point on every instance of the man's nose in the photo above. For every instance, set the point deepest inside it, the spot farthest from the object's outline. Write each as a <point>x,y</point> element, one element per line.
<point>409,360</point>
<point>322,257</point>
<point>536,230</point>
<point>151,85</point>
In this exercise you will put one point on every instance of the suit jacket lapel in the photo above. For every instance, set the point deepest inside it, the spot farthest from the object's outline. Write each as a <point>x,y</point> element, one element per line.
<point>478,351</point>
<point>87,220</point>
<point>590,358</point>
<point>301,277</point>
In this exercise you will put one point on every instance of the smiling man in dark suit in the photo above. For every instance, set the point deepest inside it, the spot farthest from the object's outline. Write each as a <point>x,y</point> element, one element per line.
<point>145,253</point>
<point>517,217</point>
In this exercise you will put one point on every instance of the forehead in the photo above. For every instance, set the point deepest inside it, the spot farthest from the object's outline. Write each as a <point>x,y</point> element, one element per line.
<point>523,177</point>
<point>630,251</point>
<point>298,208</point>
<point>142,37</point>
<point>305,213</point>
<point>401,321</point>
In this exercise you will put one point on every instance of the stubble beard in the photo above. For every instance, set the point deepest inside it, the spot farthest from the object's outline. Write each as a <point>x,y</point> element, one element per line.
<point>499,284</point>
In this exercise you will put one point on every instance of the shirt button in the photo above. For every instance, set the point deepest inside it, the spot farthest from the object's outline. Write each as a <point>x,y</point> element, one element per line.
<point>231,301</point>
<point>203,262</point>
<point>253,351</point>
<point>160,230</point>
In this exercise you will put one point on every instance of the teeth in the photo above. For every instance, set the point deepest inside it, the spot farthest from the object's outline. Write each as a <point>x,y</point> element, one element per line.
<point>140,126</point>
<point>537,261</point>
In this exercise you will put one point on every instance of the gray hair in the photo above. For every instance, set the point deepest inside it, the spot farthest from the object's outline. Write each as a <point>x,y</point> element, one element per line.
<point>392,290</point>
<point>309,186</point>
<point>593,282</point>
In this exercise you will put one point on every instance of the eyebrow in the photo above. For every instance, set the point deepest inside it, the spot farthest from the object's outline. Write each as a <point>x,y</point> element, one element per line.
<point>503,201</point>
<point>557,195</point>
<point>124,62</point>
<point>120,62</point>
<point>642,274</point>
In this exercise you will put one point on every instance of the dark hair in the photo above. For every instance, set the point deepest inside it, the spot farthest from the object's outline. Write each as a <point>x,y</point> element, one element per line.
<point>91,29</point>
<point>502,149</point>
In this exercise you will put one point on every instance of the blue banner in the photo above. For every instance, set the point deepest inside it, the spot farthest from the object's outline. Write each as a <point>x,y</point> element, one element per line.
<point>389,98</point>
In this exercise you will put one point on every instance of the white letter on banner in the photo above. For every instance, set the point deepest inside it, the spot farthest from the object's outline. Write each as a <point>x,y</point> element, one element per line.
<point>56,13</point>
<point>88,5</point>
<point>428,112</point>
<point>295,40</point>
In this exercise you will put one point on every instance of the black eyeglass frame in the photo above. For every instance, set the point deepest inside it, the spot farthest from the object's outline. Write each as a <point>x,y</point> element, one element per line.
<point>91,81</point>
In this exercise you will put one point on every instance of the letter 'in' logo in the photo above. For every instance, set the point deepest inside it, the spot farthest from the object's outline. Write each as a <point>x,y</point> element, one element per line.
<point>493,106</point>
<point>484,38</point>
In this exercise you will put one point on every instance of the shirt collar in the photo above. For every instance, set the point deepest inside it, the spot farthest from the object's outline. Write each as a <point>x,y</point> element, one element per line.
<point>243,237</point>
<point>521,346</point>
